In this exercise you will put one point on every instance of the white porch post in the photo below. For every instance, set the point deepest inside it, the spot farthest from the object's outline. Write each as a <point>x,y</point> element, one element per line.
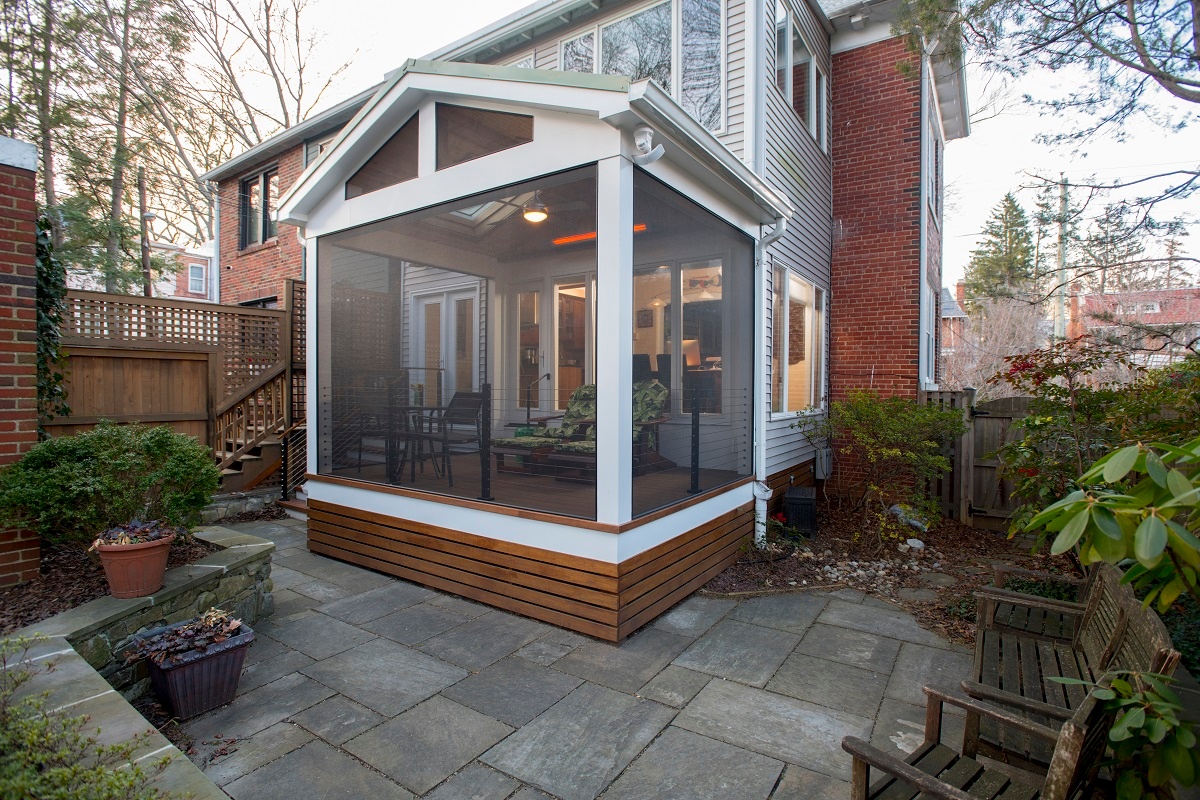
<point>614,341</point>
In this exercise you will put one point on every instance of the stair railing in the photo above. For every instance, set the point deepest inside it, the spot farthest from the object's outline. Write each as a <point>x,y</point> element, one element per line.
<point>294,455</point>
<point>257,412</point>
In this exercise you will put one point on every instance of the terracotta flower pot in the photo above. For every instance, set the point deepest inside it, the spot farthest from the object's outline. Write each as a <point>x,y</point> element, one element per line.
<point>135,570</point>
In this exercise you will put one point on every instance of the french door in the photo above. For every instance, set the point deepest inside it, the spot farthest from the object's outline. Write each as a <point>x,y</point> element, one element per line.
<point>447,343</point>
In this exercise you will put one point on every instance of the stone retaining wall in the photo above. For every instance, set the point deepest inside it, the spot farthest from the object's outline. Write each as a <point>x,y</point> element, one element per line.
<point>236,579</point>
<point>228,505</point>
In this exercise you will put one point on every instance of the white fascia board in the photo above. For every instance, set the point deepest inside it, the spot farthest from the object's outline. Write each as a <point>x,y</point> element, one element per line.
<point>950,82</point>
<point>713,158</point>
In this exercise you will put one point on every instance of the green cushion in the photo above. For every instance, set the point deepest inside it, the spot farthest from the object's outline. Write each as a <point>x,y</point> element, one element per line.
<point>586,447</point>
<point>527,442</point>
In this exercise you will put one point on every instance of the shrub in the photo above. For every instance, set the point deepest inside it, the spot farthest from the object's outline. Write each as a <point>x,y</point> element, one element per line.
<point>70,488</point>
<point>1075,416</point>
<point>45,754</point>
<point>896,444</point>
<point>1140,503</point>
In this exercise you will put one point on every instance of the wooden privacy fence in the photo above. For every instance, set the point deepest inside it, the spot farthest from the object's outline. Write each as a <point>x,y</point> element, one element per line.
<point>973,491</point>
<point>251,341</point>
<point>176,387</point>
<point>228,375</point>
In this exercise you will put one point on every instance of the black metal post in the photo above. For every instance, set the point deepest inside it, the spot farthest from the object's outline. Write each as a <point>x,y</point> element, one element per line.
<point>389,446</point>
<point>695,487</point>
<point>284,472</point>
<point>485,444</point>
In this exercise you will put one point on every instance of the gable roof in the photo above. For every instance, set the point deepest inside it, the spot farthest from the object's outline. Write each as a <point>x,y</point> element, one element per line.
<point>288,138</point>
<point>950,307</point>
<point>611,98</point>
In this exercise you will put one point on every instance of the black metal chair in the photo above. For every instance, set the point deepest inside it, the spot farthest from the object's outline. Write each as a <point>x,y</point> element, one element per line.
<point>458,423</point>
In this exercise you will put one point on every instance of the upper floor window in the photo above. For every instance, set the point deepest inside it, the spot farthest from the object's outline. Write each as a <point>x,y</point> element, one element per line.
<point>803,84</point>
<point>258,197</point>
<point>643,45</point>
<point>196,278</point>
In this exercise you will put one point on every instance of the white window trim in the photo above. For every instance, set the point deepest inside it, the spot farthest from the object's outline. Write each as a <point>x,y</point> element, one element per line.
<point>676,87</point>
<point>192,279</point>
<point>822,406</point>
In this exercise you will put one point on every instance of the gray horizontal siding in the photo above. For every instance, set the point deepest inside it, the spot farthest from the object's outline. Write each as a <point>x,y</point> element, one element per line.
<point>795,163</point>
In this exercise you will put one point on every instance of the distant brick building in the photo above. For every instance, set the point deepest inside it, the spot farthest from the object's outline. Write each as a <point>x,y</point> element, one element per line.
<point>1157,322</point>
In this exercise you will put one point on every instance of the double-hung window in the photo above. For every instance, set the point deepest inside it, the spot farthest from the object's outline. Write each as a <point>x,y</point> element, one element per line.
<point>797,75</point>
<point>677,43</point>
<point>196,278</point>
<point>258,197</point>
<point>797,343</point>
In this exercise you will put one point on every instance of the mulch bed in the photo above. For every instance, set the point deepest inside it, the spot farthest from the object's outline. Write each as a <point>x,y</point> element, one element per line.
<point>69,578</point>
<point>267,514</point>
<point>935,583</point>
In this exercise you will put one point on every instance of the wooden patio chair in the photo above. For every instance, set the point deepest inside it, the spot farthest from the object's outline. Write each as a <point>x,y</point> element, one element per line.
<point>935,770</point>
<point>1018,670</point>
<point>458,423</point>
<point>576,421</point>
<point>1001,608</point>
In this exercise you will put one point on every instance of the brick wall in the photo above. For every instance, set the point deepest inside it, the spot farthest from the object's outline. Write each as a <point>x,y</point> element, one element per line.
<point>19,550</point>
<point>258,271</point>
<point>182,277</point>
<point>875,298</point>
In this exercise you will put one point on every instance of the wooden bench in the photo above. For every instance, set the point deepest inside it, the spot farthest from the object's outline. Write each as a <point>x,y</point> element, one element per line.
<point>935,770</point>
<point>1007,610</point>
<point>1018,668</point>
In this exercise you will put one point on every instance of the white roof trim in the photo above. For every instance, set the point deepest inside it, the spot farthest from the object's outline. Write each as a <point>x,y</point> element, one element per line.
<point>658,108</point>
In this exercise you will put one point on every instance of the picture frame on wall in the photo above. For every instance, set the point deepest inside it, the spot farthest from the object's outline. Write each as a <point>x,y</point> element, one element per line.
<point>645,318</point>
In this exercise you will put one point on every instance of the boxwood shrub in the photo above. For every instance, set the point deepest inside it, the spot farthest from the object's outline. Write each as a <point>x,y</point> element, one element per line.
<point>70,488</point>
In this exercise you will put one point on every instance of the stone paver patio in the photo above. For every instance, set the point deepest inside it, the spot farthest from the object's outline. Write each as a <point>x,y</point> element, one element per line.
<point>365,686</point>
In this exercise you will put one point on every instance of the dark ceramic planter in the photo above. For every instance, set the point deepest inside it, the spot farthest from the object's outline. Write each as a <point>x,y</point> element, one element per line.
<point>201,680</point>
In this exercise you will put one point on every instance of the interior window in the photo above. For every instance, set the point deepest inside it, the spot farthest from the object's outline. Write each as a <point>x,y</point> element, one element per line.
<point>464,134</point>
<point>393,163</point>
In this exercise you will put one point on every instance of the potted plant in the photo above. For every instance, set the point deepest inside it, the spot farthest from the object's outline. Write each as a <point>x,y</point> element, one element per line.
<point>85,489</point>
<point>134,556</point>
<point>195,665</point>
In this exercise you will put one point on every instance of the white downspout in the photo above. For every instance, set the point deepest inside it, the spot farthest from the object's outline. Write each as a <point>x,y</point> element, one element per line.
<point>762,492</point>
<point>216,263</point>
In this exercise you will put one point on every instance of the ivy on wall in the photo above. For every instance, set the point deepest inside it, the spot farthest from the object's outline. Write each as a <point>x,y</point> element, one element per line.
<point>51,307</point>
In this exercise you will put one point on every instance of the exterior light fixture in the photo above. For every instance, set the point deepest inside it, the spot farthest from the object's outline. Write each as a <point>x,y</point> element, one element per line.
<point>535,210</point>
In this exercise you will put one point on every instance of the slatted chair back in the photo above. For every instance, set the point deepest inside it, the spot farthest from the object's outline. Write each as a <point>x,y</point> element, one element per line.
<point>1081,744</point>
<point>1146,645</point>
<point>1104,620</point>
<point>463,409</point>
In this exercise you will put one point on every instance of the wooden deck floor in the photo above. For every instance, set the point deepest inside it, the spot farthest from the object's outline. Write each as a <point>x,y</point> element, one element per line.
<point>549,493</point>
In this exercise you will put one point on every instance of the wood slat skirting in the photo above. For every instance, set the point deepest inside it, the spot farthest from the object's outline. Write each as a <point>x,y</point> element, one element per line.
<point>608,601</point>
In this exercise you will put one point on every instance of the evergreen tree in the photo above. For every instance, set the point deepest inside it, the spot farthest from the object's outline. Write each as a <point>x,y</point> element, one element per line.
<point>1111,254</point>
<point>1003,263</point>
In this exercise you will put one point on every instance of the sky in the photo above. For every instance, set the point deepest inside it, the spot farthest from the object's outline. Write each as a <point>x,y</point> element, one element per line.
<point>996,158</point>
